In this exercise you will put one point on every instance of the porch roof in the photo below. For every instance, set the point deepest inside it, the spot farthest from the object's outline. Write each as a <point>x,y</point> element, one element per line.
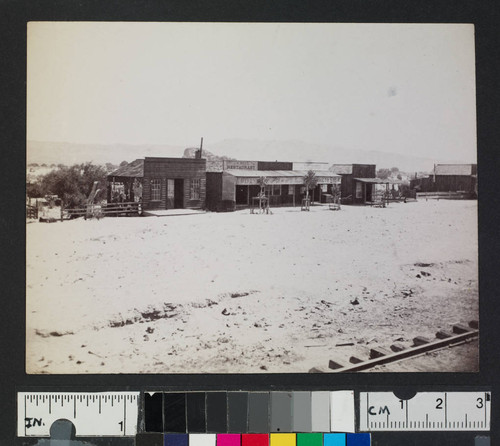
<point>373,180</point>
<point>244,176</point>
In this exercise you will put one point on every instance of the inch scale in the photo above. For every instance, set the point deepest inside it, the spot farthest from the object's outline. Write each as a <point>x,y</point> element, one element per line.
<point>94,414</point>
<point>426,411</point>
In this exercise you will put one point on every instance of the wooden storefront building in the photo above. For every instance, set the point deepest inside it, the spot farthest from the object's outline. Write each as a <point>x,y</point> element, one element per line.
<point>173,183</point>
<point>236,186</point>
<point>449,178</point>
<point>359,184</point>
<point>165,183</point>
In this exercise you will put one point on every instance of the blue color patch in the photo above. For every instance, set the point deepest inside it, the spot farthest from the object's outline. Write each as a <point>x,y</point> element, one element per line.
<point>175,440</point>
<point>334,440</point>
<point>358,439</point>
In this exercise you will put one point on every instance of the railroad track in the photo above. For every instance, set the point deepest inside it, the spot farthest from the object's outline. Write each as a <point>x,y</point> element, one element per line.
<point>378,356</point>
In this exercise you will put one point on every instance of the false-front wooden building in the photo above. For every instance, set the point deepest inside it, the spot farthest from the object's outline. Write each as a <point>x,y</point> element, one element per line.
<point>237,184</point>
<point>172,183</point>
<point>164,183</point>
<point>359,184</point>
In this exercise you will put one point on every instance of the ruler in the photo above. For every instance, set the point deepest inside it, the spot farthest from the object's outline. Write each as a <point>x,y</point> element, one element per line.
<point>106,414</point>
<point>426,411</point>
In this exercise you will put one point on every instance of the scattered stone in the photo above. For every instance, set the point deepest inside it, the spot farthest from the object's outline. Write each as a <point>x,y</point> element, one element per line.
<point>355,360</point>
<point>425,274</point>
<point>225,312</point>
<point>150,330</point>
<point>355,301</point>
<point>263,367</point>
<point>233,295</point>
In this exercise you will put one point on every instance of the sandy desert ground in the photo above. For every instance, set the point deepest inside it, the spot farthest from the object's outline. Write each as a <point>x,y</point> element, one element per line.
<point>244,293</point>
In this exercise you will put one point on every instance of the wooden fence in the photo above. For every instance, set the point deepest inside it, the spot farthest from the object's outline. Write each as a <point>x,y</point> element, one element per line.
<point>104,210</point>
<point>446,195</point>
<point>31,211</point>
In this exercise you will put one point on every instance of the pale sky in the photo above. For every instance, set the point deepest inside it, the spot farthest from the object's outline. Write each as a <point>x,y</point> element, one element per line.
<point>407,89</point>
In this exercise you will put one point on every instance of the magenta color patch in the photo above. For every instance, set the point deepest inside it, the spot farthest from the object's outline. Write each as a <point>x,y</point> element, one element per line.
<point>228,439</point>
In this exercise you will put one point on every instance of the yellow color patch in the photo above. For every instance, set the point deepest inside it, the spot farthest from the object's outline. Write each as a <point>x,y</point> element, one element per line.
<point>282,440</point>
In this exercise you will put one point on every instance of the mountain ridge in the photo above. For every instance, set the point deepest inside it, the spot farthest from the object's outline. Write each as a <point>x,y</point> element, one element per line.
<point>242,149</point>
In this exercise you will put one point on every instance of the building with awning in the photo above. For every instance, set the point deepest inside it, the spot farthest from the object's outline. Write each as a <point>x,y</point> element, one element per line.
<point>359,184</point>
<point>284,187</point>
<point>125,183</point>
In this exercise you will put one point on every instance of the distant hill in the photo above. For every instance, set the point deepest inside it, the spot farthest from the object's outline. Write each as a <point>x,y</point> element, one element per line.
<point>302,151</point>
<point>72,153</point>
<point>240,149</point>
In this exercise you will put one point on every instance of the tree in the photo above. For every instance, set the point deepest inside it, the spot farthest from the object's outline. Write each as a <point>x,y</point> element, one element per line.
<point>73,184</point>
<point>394,169</point>
<point>310,181</point>
<point>383,174</point>
<point>123,163</point>
<point>34,190</point>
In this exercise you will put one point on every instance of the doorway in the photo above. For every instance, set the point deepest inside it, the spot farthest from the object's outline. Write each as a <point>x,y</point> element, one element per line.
<point>175,193</point>
<point>178,193</point>
<point>241,194</point>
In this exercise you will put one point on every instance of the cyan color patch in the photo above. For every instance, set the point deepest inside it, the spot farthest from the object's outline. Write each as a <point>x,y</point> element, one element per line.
<point>334,440</point>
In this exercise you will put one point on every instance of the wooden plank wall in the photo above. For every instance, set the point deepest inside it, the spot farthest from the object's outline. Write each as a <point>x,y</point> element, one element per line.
<point>173,168</point>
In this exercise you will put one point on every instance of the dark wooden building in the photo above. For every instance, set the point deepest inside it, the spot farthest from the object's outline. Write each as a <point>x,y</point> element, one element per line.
<point>160,183</point>
<point>358,184</point>
<point>171,183</point>
<point>449,178</point>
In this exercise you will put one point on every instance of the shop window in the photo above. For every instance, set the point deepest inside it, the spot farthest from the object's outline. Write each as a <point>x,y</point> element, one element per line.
<point>291,189</point>
<point>359,190</point>
<point>275,189</point>
<point>156,190</point>
<point>195,189</point>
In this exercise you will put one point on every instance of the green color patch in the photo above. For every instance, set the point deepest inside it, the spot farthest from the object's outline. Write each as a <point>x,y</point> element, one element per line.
<point>315,439</point>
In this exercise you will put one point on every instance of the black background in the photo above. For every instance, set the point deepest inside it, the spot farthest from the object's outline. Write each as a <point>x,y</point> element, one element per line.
<point>484,15</point>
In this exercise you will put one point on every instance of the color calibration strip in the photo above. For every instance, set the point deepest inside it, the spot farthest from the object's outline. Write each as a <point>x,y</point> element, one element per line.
<point>250,412</point>
<point>273,439</point>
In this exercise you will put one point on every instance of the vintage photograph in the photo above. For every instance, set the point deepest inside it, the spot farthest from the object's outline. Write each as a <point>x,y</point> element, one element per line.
<point>251,198</point>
